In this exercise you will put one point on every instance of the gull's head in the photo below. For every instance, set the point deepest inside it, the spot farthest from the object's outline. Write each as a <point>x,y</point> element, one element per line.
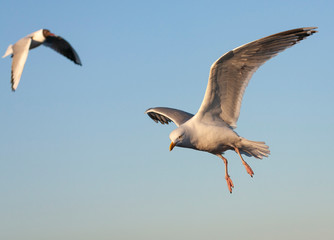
<point>46,33</point>
<point>179,137</point>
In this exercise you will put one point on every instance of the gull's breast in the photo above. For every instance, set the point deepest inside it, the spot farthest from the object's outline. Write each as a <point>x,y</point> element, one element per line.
<point>213,138</point>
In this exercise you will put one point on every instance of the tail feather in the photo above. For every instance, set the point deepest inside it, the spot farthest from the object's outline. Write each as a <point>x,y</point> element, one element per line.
<point>253,148</point>
<point>9,51</point>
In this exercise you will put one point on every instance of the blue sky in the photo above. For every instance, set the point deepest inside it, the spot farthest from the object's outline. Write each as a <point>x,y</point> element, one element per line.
<point>80,159</point>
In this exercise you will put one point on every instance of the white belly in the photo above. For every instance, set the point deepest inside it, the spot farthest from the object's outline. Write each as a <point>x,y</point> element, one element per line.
<point>214,138</point>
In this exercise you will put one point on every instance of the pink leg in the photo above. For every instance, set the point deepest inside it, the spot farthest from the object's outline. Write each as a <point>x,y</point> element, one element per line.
<point>227,177</point>
<point>248,168</point>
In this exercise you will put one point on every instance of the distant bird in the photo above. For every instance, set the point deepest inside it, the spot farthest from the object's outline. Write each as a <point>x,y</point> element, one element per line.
<point>19,51</point>
<point>211,128</point>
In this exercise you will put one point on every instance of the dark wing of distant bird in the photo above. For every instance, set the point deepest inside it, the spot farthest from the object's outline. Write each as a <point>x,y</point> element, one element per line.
<point>61,46</point>
<point>166,115</point>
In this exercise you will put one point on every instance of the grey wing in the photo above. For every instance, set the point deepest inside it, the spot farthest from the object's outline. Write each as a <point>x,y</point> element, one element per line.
<point>20,54</point>
<point>61,46</point>
<point>166,115</point>
<point>230,74</point>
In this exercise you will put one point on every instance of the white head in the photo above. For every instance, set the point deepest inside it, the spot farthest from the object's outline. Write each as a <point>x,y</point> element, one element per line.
<point>40,35</point>
<point>180,138</point>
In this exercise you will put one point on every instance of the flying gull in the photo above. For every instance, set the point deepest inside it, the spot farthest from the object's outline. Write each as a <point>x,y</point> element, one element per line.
<point>19,51</point>
<point>211,128</point>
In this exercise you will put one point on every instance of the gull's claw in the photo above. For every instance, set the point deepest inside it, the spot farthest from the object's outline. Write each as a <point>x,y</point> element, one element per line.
<point>229,183</point>
<point>248,168</point>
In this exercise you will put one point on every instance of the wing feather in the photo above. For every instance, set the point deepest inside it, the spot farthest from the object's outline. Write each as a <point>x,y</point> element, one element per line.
<point>20,54</point>
<point>166,115</point>
<point>230,74</point>
<point>61,46</point>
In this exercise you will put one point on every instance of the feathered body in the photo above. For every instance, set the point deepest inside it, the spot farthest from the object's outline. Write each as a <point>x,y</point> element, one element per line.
<point>19,51</point>
<point>211,129</point>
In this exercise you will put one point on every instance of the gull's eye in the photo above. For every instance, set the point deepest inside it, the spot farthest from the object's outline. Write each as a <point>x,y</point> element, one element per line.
<point>179,138</point>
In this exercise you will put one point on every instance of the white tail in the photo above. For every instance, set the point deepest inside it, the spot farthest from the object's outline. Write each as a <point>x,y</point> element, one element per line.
<point>255,149</point>
<point>9,51</point>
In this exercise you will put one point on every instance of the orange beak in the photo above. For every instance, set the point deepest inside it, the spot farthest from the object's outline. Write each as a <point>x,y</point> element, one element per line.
<point>171,146</point>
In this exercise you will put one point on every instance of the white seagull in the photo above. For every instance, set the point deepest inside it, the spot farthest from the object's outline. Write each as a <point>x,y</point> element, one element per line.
<point>19,51</point>
<point>211,128</point>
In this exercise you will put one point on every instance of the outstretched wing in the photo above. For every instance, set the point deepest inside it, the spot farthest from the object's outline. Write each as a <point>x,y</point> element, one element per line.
<point>20,54</point>
<point>230,74</point>
<point>166,115</point>
<point>61,46</point>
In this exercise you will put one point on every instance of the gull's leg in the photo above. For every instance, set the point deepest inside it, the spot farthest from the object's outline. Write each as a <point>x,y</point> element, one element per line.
<point>227,177</point>
<point>248,168</point>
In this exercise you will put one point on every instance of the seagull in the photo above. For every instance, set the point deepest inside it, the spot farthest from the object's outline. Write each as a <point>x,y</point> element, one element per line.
<point>19,51</point>
<point>211,129</point>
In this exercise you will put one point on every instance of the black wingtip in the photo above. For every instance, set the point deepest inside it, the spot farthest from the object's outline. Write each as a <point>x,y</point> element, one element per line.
<point>310,30</point>
<point>305,32</point>
<point>12,81</point>
<point>77,60</point>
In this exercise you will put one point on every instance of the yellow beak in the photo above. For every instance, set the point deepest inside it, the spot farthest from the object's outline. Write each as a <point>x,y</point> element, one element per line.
<point>171,146</point>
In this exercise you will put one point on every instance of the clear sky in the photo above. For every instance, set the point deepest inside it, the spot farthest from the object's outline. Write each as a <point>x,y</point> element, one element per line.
<point>79,159</point>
